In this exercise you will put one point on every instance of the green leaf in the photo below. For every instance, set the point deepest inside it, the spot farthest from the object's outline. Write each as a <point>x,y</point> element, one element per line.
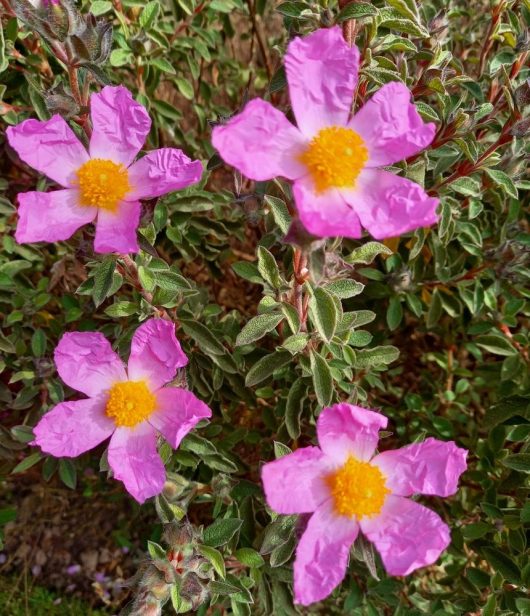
<point>322,379</point>
<point>506,409</point>
<point>38,343</point>
<point>185,87</point>
<point>356,10</point>
<point>100,7</point>
<point>291,9</point>
<point>164,65</point>
<point>281,450</point>
<point>223,588</point>
<point>498,345</point>
<point>345,288</point>
<point>367,253</point>
<point>248,271</point>
<point>258,327</point>
<point>504,181</point>
<point>27,463</point>
<point>294,406</point>
<point>518,462</point>
<point>467,186</point>
<point>216,559</point>
<point>291,314</point>
<point>122,309</point>
<point>156,551</point>
<point>250,558</point>
<point>503,564</point>
<point>68,473</point>
<point>203,337</point>
<point>149,14</point>
<point>394,313</point>
<point>268,268</point>
<point>360,338</point>
<point>323,313</point>
<point>296,343</point>
<point>221,531</point>
<point>378,356</point>
<point>280,212</point>
<point>265,366</point>
<point>103,278</point>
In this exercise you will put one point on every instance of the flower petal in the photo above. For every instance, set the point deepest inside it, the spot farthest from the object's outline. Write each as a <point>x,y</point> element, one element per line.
<point>134,459</point>
<point>391,126</point>
<point>155,353</point>
<point>161,172</point>
<point>327,214</point>
<point>71,428</point>
<point>178,412</point>
<point>322,74</point>
<point>431,467</point>
<point>120,125</point>
<point>116,231</point>
<point>389,205</point>
<point>346,430</point>
<point>52,216</point>
<point>322,554</point>
<point>295,482</point>
<point>261,143</point>
<point>407,535</point>
<point>86,362</point>
<point>50,147</point>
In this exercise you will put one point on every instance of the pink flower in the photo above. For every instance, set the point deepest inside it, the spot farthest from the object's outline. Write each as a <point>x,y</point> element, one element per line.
<point>104,182</point>
<point>128,405</point>
<point>347,490</point>
<point>335,159</point>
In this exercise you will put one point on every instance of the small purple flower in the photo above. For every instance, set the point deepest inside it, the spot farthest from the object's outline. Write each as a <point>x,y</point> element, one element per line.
<point>336,160</point>
<point>349,490</point>
<point>104,183</point>
<point>130,405</point>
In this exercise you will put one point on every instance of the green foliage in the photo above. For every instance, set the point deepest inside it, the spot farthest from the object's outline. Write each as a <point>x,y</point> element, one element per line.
<point>431,327</point>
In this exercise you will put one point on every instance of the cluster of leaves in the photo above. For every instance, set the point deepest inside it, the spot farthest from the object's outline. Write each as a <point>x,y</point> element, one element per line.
<point>431,327</point>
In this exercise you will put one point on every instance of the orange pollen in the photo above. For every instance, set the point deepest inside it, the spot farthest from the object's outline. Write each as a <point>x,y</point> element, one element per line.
<point>130,403</point>
<point>102,183</point>
<point>335,157</point>
<point>358,489</point>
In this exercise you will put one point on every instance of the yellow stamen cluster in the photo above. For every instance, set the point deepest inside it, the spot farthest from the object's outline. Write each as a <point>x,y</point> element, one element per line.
<point>358,489</point>
<point>130,403</point>
<point>335,157</point>
<point>103,183</point>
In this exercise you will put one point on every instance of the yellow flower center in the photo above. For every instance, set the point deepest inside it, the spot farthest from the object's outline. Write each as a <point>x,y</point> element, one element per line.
<point>358,489</point>
<point>335,157</point>
<point>130,403</point>
<point>103,183</point>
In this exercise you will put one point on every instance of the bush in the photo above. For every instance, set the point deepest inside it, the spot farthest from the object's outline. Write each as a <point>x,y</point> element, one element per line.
<point>430,327</point>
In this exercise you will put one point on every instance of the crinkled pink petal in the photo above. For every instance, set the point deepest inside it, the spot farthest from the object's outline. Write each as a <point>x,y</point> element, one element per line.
<point>345,430</point>
<point>51,217</point>
<point>295,482</point>
<point>134,459</point>
<point>116,231</point>
<point>120,125</point>
<point>155,353</point>
<point>389,205</point>
<point>50,147</point>
<point>322,74</point>
<point>407,535</point>
<point>391,126</point>
<point>178,412</point>
<point>86,362</point>
<point>261,143</point>
<point>71,428</point>
<point>161,172</point>
<point>326,214</point>
<point>431,467</point>
<point>322,554</point>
